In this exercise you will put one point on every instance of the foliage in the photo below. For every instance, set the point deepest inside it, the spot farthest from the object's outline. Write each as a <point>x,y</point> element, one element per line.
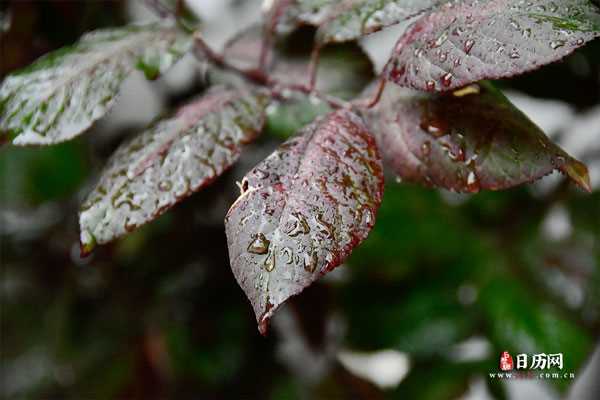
<point>432,117</point>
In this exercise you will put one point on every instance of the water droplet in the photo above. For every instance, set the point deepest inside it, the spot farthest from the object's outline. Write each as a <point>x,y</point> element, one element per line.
<point>259,244</point>
<point>288,253</point>
<point>269,263</point>
<point>472,182</point>
<point>555,44</point>
<point>469,45</point>
<point>579,42</point>
<point>165,186</point>
<point>435,128</point>
<point>310,261</point>
<point>440,40</point>
<point>323,226</point>
<point>367,216</point>
<point>426,148</point>
<point>514,55</point>
<point>447,79</point>
<point>456,62</point>
<point>298,225</point>
<point>430,85</point>
<point>526,33</point>
<point>443,56</point>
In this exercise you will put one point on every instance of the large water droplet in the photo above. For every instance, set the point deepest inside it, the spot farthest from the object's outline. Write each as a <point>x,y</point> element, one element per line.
<point>259,244</point>
<point>270,261</point>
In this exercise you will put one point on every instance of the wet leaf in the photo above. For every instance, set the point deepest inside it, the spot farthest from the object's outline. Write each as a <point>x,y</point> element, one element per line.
<point>303,209</point>
<point>283,16</point>
<point>344,69</point>
<point>351,19</point>
<point>466,141</point>
<point>172,159</point>
<point>63,93</point>
<point>463,42</point>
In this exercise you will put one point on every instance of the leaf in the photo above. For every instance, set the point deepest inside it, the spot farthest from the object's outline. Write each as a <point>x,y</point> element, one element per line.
<point>469,140</point>
<point>283,16</point>
<point>464,42</point>
<point>172,159</point>
<point>352,19</point>
<point>344,70</point>
<point>303,209</point>
<point>63,93</point>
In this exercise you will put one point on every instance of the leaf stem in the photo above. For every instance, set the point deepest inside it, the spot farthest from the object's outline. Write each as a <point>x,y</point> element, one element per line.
<point>256,76</point>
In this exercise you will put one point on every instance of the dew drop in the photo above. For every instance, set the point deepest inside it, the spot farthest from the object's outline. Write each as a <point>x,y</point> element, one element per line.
<point>259,244</point>
<point>310,261</point>
<point>323,226</point>
<point>555,44</point>
<point>447,79</point>
<point>269,263</point>
<point>426,148</point>
<point>288,253</point>
<point>514,55</point>
<point>579,42</point>
<point>469,45</point>
<point>430,85</point>
<point>165,186</point>
<point>297,226</point>
<point>472,182</point>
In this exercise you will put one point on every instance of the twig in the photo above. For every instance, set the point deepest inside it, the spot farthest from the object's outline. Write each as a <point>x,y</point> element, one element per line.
<point>256,75</point>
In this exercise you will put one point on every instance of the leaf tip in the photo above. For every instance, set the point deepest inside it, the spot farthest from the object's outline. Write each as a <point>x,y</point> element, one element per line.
<point>265,318</point>
<point>87,243</point>
<point>578,172</point>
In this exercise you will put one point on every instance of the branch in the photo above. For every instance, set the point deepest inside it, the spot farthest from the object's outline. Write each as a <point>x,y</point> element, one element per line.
<point>256,76</point>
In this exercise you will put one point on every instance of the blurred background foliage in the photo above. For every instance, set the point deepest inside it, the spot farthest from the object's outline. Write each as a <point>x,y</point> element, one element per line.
<point>422,310</point>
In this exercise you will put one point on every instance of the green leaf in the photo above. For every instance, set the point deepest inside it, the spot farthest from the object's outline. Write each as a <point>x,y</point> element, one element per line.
<point>63,93</point>
<point>518,323</point>
<point>466,141</point>
<point>175,157</point>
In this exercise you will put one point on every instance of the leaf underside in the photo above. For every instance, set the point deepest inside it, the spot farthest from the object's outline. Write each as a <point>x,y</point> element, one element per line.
<point>465,141</point>
<point>463,42</point>
<point>63,93</point>
<point>172,159</point>
<point>303,209</point>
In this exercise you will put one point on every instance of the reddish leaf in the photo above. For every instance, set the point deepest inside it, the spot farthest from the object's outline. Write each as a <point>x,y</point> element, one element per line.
<point>175,157</point>
<point>303,209</point>
<point>464,42</point>
<point>469,140</point>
